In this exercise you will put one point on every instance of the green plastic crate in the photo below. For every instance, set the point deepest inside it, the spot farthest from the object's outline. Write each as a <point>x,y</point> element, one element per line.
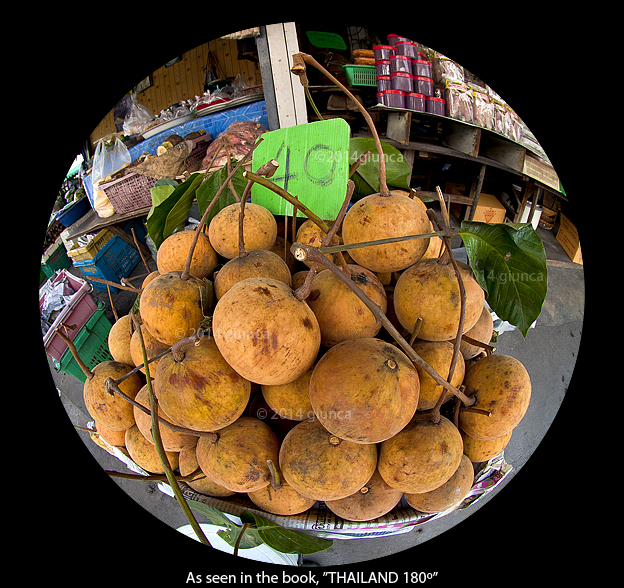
<point>55,260</point>
<point>91,344</point>
<point>360,75</point>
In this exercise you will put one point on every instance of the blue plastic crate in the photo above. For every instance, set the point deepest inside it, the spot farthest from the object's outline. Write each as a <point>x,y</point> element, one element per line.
<point>114,261</point>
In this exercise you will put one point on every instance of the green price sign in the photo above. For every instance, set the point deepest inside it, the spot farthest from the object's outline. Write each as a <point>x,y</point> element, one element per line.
<point>313,165</point>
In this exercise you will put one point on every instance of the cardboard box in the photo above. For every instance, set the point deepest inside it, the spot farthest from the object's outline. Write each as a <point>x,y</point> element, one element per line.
<point>489,210</point>
<point>569,239</point>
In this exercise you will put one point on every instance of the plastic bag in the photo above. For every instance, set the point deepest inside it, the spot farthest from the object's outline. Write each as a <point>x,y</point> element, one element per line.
<point>106,162</point>
<point>138,119</point>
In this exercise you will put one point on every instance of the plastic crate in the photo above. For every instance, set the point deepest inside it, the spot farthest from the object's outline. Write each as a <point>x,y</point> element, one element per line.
<point>130,192</point>
<point>360,75</point>
<point>90,251</point>
<point>55,258</point>
<point>77,312</point>
<point>91,345</point>
<point>70,214</point>
<point>114,261</point>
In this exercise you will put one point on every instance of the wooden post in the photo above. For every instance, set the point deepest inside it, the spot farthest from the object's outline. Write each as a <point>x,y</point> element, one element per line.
<point>470,211</point>
<point>284,95</point>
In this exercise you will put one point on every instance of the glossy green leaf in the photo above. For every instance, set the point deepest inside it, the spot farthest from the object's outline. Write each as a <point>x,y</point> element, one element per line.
<point>509,262</point>
<point>285,540</point>
<point>209,188</point>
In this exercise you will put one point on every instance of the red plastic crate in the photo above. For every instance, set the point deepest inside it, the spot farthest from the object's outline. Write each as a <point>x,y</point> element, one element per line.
<point>77,312</point>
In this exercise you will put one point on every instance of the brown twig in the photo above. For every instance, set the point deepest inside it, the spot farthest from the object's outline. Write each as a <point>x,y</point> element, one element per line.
<point>136,244</point>
<point>304,291</point>
<point>307,252</point>
<point>83,366</point>
<point>187,269</point>
<point>156,477</point>
<point>358,162</point>
<point>110,298</point>
<point>299,67</point>
<point>115,284</point>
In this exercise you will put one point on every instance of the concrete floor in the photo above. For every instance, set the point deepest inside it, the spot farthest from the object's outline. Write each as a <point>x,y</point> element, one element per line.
<point>93,506</point>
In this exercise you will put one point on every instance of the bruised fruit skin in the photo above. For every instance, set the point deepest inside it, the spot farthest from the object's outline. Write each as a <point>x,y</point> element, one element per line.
<point>429,290</point>
<point>479,450</point>
<point>111,410</point>
<point>265,333</point>
<point>422,456</point>
<point>448,495</point>
<point>377,217</point>
<point>119,340</point>
<point>201,483</point>
<point>237,460</point>
<point>171,440</point>
<point>172,308</point>
<point>502,386</point>
<point>173,254</point>
<point>340,313</point>
<point>373,500</point>
<point>258,263</point>
<point>144,453</point>
<point>321,466</point>
<point>309,233</point>
<point>438,354</point>
<point>259,229</point>
<point>201,392</point>
<point>364,390</point>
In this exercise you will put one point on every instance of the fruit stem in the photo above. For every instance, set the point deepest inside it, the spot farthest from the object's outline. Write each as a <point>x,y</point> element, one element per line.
<point>160,448</point>
<point>304,291</point>
<point>303,252</point>
<point>187,268</point>
<point>276,482</point>
<point>177,349</point>
<point>299,68</point>
<point>344,247</point>
<point>267,170</point>
<point>83,366</point>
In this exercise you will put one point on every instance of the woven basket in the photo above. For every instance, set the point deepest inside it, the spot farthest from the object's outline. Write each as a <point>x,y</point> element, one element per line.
<point>129,193</point>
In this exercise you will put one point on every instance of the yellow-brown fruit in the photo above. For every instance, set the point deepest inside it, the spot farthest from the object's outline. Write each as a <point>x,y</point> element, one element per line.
<point>237,460</point>
<point>422,456</point>
<point>153,347</point>
<point>114,438</point>
<point>264,332</point>
<point>447,496</point>
<point>172,308</point>
<point>429,290</point>
<point>285,501</point>
<point>340,313</point>
<point>479,450</point>
<point>364,390</point>
<point>119,340</point>
<point>171,440</point>
<point>259,229</point>
<point>438,354</point>
<point>481,331</point>
<point>373,500</point>
<point>259,263</point>
<point>502,386</point>
<point>149,278</point>
<point>111,410</point>
<point>201,483</point>
<point>201,392</point>
<point>291,400</point>
<point>377,217</point>
<point>309,233</point>
<point>298,279</point>
<point>174,250</point>
<point>282,248</point>
<point>321,466</point>
<point>144,453</point>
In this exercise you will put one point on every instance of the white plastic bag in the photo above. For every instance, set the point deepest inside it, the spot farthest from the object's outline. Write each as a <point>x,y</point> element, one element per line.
<point>138,118</point>
<point>107,161</point>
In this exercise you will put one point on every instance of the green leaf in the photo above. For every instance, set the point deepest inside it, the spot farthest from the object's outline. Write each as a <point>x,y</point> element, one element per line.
<point>158,223</point>
<point>208,190</point>
<point>397,169</point>
<point>509,262</point>
<point>285,540</point>
<point>214,515</point>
